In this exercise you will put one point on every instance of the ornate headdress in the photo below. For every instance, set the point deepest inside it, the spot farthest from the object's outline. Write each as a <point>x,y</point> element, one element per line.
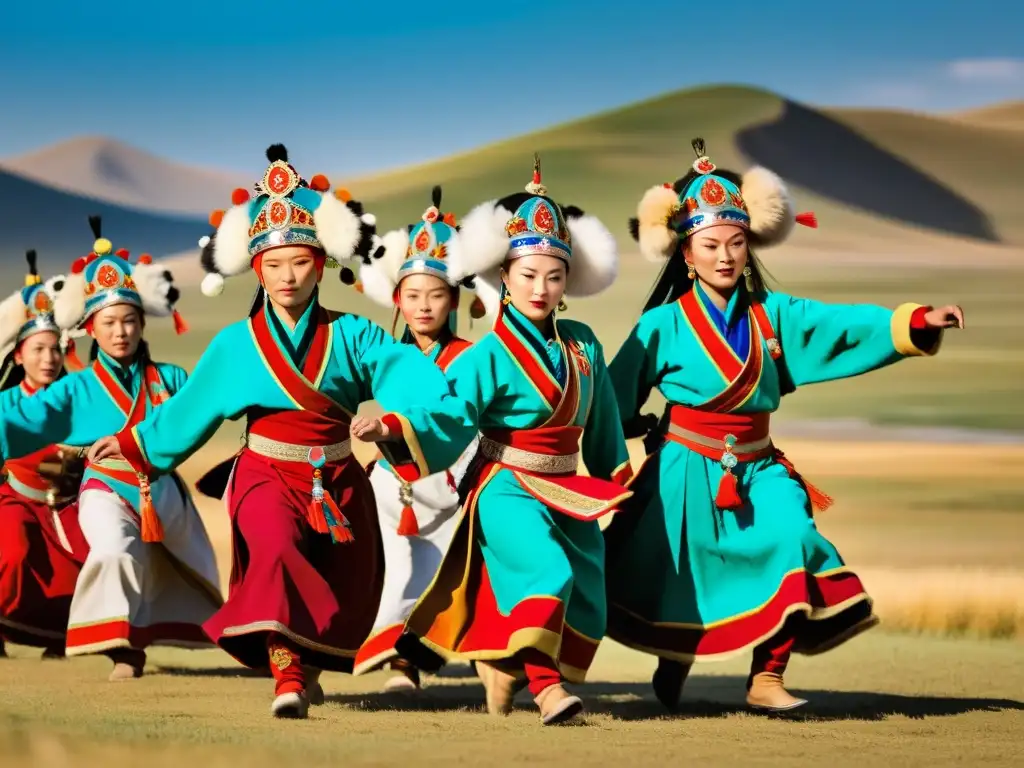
<point>424,248</point>
<point>758,202</point>
<point>530,223</point>
<point>286,210</point>
<point>29,310</point>
<point>105,277</point>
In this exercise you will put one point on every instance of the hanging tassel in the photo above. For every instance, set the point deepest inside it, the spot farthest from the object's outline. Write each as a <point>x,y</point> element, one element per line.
<point>820,500</point>
<point>807,219</point>
<point>315,511</point>
<point>728,496</point>
<point>180,326</point>
<point>337,524</point>
<point>71,358</point>
<point>152,529</point>
<point>408,525</point>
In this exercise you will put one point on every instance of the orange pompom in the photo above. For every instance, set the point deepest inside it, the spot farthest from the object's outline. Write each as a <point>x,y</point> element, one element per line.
<point>240,196</point>
<point>78,266</point>
<point>319,183</point>
<point>343,194</point>
<point>122,252</point>
<point>145,259</point>
<point>477,308</point>
<point>216,218</point>
<point>449,219</point>
<point>358,286</point>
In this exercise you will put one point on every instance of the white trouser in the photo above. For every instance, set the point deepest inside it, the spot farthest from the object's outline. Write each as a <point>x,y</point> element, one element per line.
<point>131,594</point>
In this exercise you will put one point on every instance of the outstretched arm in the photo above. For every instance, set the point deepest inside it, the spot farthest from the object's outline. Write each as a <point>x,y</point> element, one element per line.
<point>635,371</point>
<point>604,446</point>
<point>32,423</point>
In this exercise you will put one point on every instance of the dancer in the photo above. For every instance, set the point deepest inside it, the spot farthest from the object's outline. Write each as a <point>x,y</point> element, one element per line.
<point>521,590</point>
<point>41,545</point>
<point>299,603</point>
<point>150,576</point>
<point>717,553</point>
<point>417,520</point>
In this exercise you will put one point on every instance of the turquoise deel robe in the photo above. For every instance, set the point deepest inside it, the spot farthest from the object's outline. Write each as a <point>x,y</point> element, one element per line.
<point>76,410</point>
<point>364,363</point>
<point>687,580</point>
<point>544,568</point>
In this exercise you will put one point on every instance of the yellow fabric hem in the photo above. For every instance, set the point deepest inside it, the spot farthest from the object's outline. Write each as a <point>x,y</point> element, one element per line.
<point>902,337</point>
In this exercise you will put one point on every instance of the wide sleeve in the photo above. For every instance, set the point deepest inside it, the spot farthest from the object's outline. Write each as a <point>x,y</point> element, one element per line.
<point>180,426</point>
<point>604,446</point>
<point>433,426</point>
<point>32,423</point>
<point>635,370</point>
<point>825,342</point>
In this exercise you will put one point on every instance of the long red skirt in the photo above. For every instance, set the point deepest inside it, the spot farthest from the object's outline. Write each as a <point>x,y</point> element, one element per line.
<point>289,579</point>
<point>37,573</point>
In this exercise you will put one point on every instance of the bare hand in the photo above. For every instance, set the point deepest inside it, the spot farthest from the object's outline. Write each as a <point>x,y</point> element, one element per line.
<point>369,430</point>
<point>950,316</point>
<point>104,448</point>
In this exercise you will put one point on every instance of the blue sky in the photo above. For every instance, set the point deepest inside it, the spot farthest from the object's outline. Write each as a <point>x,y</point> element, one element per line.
<point>354,90</point>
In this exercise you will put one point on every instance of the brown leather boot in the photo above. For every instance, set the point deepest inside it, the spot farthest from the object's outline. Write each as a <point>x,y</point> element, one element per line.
<point>128,664</point>
<point>557,705</point>
<point>668,681</point>
<point>501,686</point>
<point>766,693</point>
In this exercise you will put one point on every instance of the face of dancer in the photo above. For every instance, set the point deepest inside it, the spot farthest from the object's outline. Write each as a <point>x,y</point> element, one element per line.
<point>425,301</point>
<point>289,275</point>
<point>536,284</point>
<point>118,331</point>
<point>41,357</point>
<point>718,254</point>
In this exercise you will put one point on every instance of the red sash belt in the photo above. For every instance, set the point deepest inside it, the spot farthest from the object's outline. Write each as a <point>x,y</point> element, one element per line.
<point>732,438</point>
<point>543,451</point>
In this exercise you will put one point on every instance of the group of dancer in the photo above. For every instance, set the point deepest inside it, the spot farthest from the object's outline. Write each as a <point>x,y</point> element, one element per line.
<point>475,534</point>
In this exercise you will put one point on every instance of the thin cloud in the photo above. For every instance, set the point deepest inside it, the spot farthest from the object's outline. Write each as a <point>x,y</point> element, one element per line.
<point>987,70</point>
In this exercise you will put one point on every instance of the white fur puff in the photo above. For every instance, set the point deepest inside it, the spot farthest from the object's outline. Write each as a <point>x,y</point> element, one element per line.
<point>69,306</point>
<point>12,317</point>
<point>153,283</point>
<point>768,202</point>
<point>483,244</point>
<point>595,257</point>
<point>381,275</point>
<point>212,285</point>
<point>337,228</point>
<point>657,239</point>
<point>231,246</point>
<point>489,295</point>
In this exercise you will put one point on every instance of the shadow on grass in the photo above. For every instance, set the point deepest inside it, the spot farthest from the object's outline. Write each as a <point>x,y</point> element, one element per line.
<point>710,697</point>
<point>176,671</point>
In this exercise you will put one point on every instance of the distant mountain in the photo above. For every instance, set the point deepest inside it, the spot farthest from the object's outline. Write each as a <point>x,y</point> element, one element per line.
<point>116,173</point>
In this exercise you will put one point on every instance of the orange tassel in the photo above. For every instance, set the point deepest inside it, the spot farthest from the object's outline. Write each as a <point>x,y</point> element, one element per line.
<point>728,496</point>
<point>152,529</point>
<point>337,524</point>
<point>807,219</point>
<point>819,499</point>
<point>71,358</point>
<point>408,526</point>
<point>180,326</point>
<point>315,517</point>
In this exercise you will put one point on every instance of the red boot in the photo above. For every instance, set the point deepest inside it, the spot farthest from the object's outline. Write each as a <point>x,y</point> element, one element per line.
<point>290,700</point>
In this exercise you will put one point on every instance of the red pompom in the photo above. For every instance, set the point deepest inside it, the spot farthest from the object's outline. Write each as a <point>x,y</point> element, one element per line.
<point>477,308</point>
<point>122,252</point>
<point>319,183</point>
<point>449,219</point>
<point>78,266</point>
<point>666,185</point>
<point>91,258</point>
<point>358,286</point>
<point>145,259</point>
<point>216,218</point>
<point>343,194</point>
<point>240,196</point>
<point>807,219</point>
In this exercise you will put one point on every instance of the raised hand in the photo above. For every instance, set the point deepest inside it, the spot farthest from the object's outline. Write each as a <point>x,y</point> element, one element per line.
<point>950,316</point>
<point>104,448</point>
<point>369,430</point>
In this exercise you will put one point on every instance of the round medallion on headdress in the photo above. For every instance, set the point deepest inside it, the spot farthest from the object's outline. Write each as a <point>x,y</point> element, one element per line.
<point>107,276</point>
<point>279,180</point>
<point>543,219</point>
<point>41,302</point>
<point>422,241</point>
<point>703,165</point>
<point>712,192</point>
<point>279,214</point>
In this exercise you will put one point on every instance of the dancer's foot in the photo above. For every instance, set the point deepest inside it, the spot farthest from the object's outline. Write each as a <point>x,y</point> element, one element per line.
<point>314,691</point>
<point>557,705</point>
<point>406,679</point>
<point>767,694</point>
<point>54,652</point>
<point>293,705</point>
<point>128,664</point>
<point>501,686</point>
<point>668,681</point>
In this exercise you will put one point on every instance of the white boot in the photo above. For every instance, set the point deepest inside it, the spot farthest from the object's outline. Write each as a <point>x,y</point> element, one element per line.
<point>294,706</point>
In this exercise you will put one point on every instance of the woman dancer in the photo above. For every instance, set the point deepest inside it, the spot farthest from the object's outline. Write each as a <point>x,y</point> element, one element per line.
<point>521,590</point>
<point>417,519</point>
<point>717,553</point>
<point>150,576</point>
<point>41,545</point>
<point>297,371</point>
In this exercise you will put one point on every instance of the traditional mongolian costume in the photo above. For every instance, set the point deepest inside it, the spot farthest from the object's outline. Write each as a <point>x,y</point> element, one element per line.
<point>717,553</point>
<point>150,576</point>
<point>521,590</point>
<point>307,567</point>
<point>416,519</point>
<point>41,545</point>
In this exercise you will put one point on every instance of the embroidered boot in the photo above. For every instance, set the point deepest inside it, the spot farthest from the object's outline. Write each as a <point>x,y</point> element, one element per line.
<point>129,664</point>
<point>290,699</point>
<point>557,705</point>
<point>668,681</point>
<point>501,687</point>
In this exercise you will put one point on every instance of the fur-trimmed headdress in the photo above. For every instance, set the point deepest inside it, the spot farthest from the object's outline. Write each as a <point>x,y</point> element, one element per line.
<point>29,310</point>
<point>427,247</point>
<point>286,210</point>
<point>757,201</point>
<point>105,277</point>
<point>528,223</point>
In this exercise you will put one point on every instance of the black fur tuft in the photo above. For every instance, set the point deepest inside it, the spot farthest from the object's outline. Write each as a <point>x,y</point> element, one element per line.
<point>698,147</point>
<point>572,212</point>
<point>356,207</point>
<point>277,152</point>
<point>348,277</point>
<point>206,255</point>
<point>30,257</point>
<point>96,225</point>
<point>435,196</point>
<point>634,229</point>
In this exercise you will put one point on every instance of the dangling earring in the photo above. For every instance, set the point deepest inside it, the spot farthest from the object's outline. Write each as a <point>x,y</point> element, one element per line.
<point>691,273</point>
<point>748,279</point>
<point>506,299</point>
<point>562,306</point>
